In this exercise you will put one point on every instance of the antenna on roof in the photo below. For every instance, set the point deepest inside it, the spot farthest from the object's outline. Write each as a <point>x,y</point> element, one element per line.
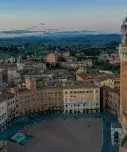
<point>125,18</point>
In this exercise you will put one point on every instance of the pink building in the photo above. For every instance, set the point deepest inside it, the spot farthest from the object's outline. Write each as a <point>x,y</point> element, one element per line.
<point>52,58</point>
<point>30,84</point>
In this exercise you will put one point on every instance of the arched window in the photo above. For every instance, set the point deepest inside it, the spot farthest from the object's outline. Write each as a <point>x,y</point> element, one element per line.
<point>116,137</point>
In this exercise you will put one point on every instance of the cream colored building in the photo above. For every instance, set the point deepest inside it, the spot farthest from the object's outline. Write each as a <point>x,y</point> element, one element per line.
<point>81,99</point>
<point>13,73</point>
<point>78,98</point>
<point>112,81</point>
<point>3,114</point>
<point>12,112</point>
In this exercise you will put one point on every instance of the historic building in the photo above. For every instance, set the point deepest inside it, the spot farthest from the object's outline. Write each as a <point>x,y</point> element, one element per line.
<point>52,58</point>
<point>123,79</point>
<point>12,73</point>
<point>35,101</point>
<point>3,112</point>
<point>112,81</point>
<point>111,100</point>
<point>3,115</point>
<point>83,98</point>
<point>77,98</point>
<point>3,74</point>
<point>30,83</point>
<point>85,77</point>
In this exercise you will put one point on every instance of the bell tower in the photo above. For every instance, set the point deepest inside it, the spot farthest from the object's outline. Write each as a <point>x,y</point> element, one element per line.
<point>123,76</point>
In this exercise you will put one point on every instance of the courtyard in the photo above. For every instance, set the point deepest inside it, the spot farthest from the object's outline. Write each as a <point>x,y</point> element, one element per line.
<point>63,132</point>
<point>62,136</point>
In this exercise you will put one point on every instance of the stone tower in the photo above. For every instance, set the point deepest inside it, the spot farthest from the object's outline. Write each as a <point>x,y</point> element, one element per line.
<point>123,76</point>
<point>123,84</point>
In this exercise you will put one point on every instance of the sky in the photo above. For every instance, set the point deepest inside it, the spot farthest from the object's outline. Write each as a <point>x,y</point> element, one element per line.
<point>24,16</point>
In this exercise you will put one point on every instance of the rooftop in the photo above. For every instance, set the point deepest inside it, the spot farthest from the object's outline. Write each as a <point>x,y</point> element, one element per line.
<point>81,85</point>
<point>5,95</point>
<point>85,76</point>
<point>103,77</point>
<point>116,125</point>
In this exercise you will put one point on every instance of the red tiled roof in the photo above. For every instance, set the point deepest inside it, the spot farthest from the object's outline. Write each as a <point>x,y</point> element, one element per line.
<point>85,76</point>
<point>12,68</point>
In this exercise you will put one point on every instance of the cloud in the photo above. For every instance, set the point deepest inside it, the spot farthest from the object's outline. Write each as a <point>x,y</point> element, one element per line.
<point>52,29</point>
<point>32,27</point>
<point>30,32</point>
<point>87,31</point>
<point>41,23</point>
<point>63,26</point>
<point>20,32</point>
<point>29,28</point>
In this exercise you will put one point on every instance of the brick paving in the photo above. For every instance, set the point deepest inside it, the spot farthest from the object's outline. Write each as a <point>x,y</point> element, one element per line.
<point>62,136</point>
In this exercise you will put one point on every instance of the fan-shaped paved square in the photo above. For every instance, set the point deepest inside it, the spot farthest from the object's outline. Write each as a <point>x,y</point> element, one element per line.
<point>62,136</point>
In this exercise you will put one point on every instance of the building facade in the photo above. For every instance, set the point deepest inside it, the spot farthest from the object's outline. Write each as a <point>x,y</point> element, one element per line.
<point>76,99</point>
<point>111,99</point>
<point>113,82</point>
<point>12,73</point>
<point>37,101</point>
<point>81,99</point>
<point>30,83</point>
<point>3,75</point>
<point>52,58</point>
<point>3,115</point>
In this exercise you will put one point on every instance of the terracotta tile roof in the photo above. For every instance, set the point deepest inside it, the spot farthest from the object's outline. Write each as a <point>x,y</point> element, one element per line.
<point>85,76</point>
<point>103,77</point>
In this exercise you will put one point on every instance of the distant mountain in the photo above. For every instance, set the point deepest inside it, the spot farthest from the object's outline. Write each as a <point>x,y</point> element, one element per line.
<point>49,33</point>
<point>93,37</point>
<point>87,35</point>
<point>115,37</point>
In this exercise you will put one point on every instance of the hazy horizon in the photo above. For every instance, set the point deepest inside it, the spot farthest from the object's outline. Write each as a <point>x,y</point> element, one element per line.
<point>37,16</point>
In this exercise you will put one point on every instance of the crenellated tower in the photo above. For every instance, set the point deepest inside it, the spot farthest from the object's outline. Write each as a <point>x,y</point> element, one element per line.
<point>123,76</point>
